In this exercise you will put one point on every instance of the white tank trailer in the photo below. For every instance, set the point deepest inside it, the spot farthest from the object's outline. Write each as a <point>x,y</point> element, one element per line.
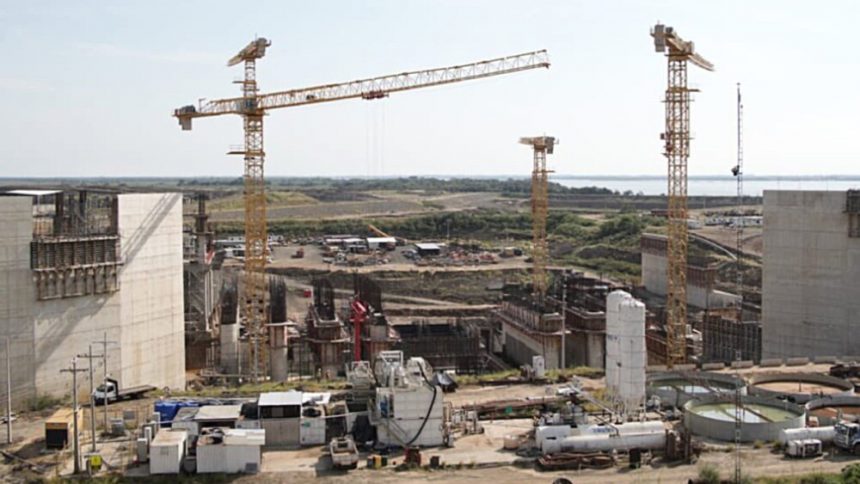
<point>593,438</point>
<point>824,434</point>
<point>626,355</point>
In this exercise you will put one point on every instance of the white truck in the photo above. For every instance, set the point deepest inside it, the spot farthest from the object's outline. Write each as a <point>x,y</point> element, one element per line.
<point>111,392</point>
<point>847,437</point>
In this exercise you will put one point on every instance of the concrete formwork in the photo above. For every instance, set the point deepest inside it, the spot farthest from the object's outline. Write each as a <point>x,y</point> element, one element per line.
<point>143,318</point>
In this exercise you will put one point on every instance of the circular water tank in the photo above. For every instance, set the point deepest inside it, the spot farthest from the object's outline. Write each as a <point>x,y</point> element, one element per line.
<point>675,388</point>
<point>760,418</point>
<point>799,387</point>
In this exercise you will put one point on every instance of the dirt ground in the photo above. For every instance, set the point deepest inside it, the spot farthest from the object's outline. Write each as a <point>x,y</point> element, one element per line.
<point>384,204</point>
<point>490,464</point>
<point>753,242</point>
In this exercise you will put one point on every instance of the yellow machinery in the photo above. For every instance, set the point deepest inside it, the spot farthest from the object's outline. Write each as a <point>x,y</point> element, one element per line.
<point>541,145</point>
<point>253,105</point>
<point>676,139</point>
<point>60,428</point>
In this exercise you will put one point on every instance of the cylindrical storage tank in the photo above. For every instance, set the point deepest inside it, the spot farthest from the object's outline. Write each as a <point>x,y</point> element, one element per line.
<point>675,388</point>
<point>625,428</point>
<point>762,418</point>
<point>831,409</point>
<point>626,356</point>
<point>824,434</point>
<point>605,443</point>
<point>799,387</point>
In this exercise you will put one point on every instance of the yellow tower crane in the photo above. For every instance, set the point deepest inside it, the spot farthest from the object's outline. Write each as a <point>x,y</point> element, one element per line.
<point>252,106</point>
<point>541,145</point>
<point>676,138</point>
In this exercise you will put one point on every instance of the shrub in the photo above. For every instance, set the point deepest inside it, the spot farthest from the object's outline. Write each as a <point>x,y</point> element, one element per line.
<point>708,474</point>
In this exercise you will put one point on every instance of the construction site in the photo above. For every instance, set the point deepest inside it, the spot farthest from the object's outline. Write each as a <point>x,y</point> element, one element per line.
<point>368,334</point>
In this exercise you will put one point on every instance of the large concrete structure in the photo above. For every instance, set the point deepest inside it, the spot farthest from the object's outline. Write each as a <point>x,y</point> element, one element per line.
<point>529,331</point>
<point>811,274</point>
<point>68,278</point>
<point>700,279</point>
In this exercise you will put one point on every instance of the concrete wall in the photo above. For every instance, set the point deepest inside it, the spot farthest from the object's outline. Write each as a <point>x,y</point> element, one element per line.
<point>145,317</point>
<point>16,294</point>
<point>811,276</point>
<point>520,346</point>
<point>655,281</point>
<point>151,294</point>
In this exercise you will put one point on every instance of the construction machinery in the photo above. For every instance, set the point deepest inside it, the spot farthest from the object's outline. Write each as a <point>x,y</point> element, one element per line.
<point>253,105</point>
<point>541,145</point>
<point>676,149</point>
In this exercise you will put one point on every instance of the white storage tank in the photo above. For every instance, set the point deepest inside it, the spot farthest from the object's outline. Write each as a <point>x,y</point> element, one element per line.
<point>605,443</point>
<point>167,451</point>
<point>824,434</point>
<point>539,365</point>
<point>626,355</point>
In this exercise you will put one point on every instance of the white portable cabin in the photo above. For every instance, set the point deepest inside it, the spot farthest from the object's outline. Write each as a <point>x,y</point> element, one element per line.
<point>167,451</point>
<point>230,451</point>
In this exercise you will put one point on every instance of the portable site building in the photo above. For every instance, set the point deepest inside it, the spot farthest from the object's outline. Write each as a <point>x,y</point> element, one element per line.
<point>230,451</point>
<point>167,451</point>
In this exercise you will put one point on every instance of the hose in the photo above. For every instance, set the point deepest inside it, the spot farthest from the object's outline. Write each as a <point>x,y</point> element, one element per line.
<point>429,410</point>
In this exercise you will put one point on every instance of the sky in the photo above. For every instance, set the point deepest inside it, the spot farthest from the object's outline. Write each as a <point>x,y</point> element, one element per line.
<point>88,87</point>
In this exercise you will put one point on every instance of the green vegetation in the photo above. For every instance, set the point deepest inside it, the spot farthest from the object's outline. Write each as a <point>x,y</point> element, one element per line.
<point>580,371</point>
<point>254,389</point>
<point>521,186</point>
<point>43,402</point>
<point>709,474</point>
<point>274,199</point>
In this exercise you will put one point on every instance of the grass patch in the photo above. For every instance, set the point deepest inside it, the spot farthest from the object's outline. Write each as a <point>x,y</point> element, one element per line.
<point>579,371</point>
<point>43,402</point>
<point>709,474</point>
<point>274,199</point>
<point>254,389</point>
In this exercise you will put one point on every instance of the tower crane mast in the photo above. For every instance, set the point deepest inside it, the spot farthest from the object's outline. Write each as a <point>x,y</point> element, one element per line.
<point>676,149</point>
<point>541,145</point>
<point>252,106</point>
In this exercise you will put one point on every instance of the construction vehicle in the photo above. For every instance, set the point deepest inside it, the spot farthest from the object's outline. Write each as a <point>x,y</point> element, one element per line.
<point>676,149</point>
<point>112,392</point>
<point>847,437</point>
<point>253,106</point>
<point>300,253</point>
<point>344,453</point>
<point>803,448</point>
<point>60,427</point>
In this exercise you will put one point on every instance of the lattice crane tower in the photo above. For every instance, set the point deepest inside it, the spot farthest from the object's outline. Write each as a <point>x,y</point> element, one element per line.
<point>541,145</point>
<point>252,106</point>
<point>676,138</point>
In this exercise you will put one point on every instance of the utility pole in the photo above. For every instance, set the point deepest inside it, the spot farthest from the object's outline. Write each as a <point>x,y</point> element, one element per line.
<point>77,448</point>
<point>563,318</point>
<point>8,393</point>
<point>104,342</point>
<point>90,357</point>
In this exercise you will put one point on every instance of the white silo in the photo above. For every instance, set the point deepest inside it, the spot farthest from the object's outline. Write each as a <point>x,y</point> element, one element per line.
<point>626,356</point>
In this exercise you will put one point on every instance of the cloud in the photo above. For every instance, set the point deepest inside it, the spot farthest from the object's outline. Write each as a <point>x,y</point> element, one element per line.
<point>104,49</point>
